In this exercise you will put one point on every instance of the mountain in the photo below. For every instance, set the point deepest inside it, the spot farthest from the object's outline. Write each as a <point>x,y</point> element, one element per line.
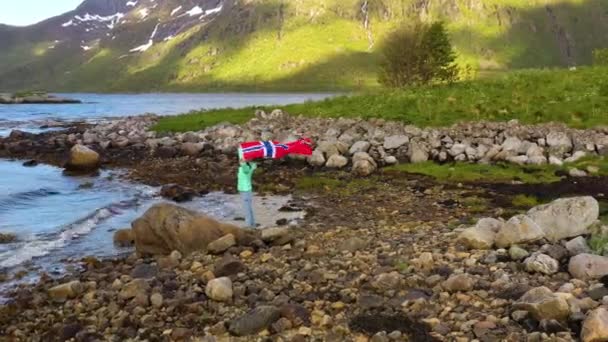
<point>182,45</point>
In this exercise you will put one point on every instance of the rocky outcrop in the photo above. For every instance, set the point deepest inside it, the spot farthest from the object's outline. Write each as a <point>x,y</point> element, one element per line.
<point>82,158</point>
<point>566,217</point>
<point>34,98</point>
<point>166,227</point>
<point>561,219</point>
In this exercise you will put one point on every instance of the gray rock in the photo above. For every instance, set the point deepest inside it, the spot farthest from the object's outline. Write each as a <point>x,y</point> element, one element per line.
<point>541,303</point>
<point>228,266</point>
<point>578,155</point>
<point>459,282</point>
<point>192,149</point>
<point>363,164</point>
<point>390,160</point>
<point>559,143</point>
<point>565,217</point>
<point>254,321</point>
<point>587,266</point>
<point>387,281</point>
<point>272,234</point>
<point>517,253</point>
<point>574,172</point>
<point>63,292</point>
<point>144,271</point>
<point>577,246</point>
<point>541,263</point>
<point>156,299</point>
<point>219,289</point>
<point>457,149</point>
<point>336,161</point>
<point>395,141</point>
<point>317,158</point>
<point>553,160</point>
<point>482,235</point>
<point>511,144</point>
<point>222,244</point>
<point>353,245</point>
<point>417,153</point>
<point>134,288</point>
<point>359,146</point>
<point>519,229</point>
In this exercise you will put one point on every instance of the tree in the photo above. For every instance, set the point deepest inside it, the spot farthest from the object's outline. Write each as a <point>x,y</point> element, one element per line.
<point>418,54</point>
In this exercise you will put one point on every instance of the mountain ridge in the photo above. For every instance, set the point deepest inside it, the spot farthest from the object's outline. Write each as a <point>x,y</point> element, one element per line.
<point>195,45</point>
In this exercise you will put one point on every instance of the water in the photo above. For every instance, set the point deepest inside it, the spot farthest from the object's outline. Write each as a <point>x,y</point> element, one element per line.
<point>57,217</point>
<point>96,106</point>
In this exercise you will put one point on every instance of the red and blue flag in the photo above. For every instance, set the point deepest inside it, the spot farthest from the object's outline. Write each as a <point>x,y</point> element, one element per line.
<point>274,150</point>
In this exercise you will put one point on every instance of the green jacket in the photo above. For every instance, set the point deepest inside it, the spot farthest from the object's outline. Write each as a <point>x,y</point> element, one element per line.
<point>245,175</point>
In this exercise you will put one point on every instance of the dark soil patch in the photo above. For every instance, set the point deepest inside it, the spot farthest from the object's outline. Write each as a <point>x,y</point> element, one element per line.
<point>372,324</point>
<point>584,186</point>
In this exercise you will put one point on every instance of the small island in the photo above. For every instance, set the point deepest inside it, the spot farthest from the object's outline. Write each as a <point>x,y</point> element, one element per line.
<point>34,98</point>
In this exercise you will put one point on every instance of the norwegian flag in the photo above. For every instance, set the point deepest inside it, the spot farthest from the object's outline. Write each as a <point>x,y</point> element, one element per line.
<point>275,150</point>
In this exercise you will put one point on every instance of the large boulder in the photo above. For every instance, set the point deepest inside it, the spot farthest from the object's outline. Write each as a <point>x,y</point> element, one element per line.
<point>363,164</point>
<point>519,229</point>
<point>336,161</point>
<point>359,146</point>
<point>482,235</point>
<point>417,153</point>
<point>254,321</point>
<point>588,266</point>
<point>166,227</point>
<point>595,327</point>
<point>541,263</point>
<point>541,303</point>
<point>63,292</point>
<point>566,217</point>
<point>317,158</point>
<point>559,143</point>
<point>124,238</point>
<point>82,158</point>
<point>395,141</point>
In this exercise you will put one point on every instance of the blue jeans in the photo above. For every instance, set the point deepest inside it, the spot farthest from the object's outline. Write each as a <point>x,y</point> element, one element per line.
<point>248,208</point>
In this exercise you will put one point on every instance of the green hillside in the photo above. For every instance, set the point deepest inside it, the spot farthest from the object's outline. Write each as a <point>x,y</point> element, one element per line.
<point>270,45</point>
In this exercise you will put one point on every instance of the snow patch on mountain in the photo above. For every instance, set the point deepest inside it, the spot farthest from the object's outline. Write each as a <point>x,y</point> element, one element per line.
<point>68,23</point>
<point>196,10</point>
<point>149,44</point>
<point>131,3</point>
<point>212,11</point>
<point>177,9</point>
<point>143,13</point>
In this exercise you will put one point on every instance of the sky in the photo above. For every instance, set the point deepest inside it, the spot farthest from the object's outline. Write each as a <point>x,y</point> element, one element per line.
<point>27,12</point>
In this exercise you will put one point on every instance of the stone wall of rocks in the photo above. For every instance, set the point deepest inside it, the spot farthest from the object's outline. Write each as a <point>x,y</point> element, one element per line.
<point>364,145</point>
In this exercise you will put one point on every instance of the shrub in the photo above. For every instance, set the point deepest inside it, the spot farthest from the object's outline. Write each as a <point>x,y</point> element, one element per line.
<point>418,54</point>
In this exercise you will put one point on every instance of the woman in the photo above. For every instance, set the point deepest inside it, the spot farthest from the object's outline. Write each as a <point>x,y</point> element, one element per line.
<point>245,187</point>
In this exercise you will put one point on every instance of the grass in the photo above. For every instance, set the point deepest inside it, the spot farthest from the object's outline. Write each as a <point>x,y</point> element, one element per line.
<point>501,173</point>
<point>524,201</point>
<point>577,98</point>
<point>468,173</point>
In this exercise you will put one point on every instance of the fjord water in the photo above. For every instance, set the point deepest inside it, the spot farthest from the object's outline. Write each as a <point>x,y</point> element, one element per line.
<point>57,217</point>
<point>98,106</point>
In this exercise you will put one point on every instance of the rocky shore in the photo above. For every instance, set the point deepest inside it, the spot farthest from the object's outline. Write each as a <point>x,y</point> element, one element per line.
<point>34,98</point>
<point>391,257</point>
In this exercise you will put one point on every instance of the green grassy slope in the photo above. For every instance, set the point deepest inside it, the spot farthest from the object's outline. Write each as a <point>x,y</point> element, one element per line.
<point>578,98</point>
<point>311,45</point>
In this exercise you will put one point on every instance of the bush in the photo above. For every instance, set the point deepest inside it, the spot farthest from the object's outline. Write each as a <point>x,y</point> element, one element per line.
<point>600,57</point>
<point>420,54</point>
